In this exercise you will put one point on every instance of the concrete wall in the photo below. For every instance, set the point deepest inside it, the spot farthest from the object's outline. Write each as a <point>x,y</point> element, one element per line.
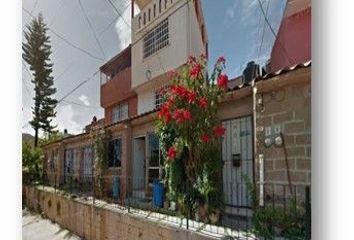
<point>101,222</point>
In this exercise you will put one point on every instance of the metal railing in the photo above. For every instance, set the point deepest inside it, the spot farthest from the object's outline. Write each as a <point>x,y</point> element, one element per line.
<point>286,210</point>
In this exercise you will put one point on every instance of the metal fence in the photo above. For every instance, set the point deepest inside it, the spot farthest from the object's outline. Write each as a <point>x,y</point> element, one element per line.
<point>286,211</point>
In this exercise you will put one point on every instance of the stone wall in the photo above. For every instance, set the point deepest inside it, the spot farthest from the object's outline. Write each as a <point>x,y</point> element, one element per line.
<point>100,221</point>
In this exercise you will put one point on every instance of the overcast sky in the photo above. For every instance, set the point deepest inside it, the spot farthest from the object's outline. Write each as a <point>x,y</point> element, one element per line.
<point>235,29</point>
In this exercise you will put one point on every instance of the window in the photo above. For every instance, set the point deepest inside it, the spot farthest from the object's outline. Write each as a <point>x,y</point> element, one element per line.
<point>165,4</point>
<point>154,10</point>
<point>155,160</point>
<point>149,15</point>
<point>144,18</point>
<point>139,21</point>
<point>156,39</point>
<point>120,112</point>
<point>76,160</point>
<point>158,99</point>
<point>160,6</point>
<point>88,157</point>
<point>53,158</point>
<point>115,153</point>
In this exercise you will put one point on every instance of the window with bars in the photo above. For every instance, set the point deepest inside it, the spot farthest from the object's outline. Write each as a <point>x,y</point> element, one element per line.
<point>88,160</point>
<point>155,159</point>
<point>120,112</point>
<point>53,160</point>
<point>156,39</point>
<point>76,160</point>
<point>115,153</point>
<point>158,99</point>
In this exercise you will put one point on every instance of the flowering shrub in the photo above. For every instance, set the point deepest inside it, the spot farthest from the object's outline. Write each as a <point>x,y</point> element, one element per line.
<point>190,133</point>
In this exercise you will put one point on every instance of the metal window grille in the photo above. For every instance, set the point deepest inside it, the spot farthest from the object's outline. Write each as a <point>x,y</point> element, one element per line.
<point>158,99</point>
<point>156,39</point>
<point>115,153</point>
<point>120,112</point>
<point>155,159</point>
<point>88,160</point>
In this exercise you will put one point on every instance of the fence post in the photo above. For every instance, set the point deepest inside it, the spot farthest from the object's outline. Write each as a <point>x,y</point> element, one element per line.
<point>55,183</point>
<point>128,197</point>
<point>71,184</point>
<point>308,212</point>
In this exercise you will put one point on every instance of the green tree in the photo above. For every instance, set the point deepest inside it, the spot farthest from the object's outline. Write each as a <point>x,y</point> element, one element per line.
<point>36,53</point>
<point>31,163</point>
<point>50,137</point>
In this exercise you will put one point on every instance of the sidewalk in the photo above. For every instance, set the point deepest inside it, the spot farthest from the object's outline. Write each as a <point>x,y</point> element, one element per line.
<point>34,227</point>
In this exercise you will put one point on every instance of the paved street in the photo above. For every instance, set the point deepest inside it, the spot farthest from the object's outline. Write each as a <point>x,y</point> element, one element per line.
<point>34,227</point>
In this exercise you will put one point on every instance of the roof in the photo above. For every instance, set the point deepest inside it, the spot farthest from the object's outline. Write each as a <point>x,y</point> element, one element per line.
<point>232,86</point>
<point>237,83</point>
<point>122,58</point>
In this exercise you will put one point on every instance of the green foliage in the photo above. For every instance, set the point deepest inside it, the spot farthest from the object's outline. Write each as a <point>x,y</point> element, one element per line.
<point>274,221</point>
<point>50,137</point>
<point>36,53</point>
<point>193,174</point>
<point>31,163</point>
<point>99,138</point>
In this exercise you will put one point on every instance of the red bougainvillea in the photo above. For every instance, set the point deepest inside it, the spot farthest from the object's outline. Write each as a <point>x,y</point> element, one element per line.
<point>190,105</point>
<point>190,132</point>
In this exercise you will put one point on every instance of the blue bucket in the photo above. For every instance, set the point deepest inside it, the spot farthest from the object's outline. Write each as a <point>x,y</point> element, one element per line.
<point>116,187</point>
<point>157,194</point>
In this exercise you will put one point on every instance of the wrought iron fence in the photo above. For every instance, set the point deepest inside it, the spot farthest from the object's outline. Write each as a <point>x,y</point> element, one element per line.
<point>286,211</point>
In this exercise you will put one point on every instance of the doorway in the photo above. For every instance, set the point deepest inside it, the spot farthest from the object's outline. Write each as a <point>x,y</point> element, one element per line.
<point>237,155</point>
<point>138,176</point>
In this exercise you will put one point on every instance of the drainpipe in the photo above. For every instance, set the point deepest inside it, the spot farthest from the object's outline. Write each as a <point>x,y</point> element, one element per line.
<point>259,158</point>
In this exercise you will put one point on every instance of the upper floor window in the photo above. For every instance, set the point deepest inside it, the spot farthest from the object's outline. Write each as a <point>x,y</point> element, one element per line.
<point>154,10</point>
<point>160,6</point>
<point>156,39</point>
<point>144,18</point>
<point>115,153</point>
<point>149,15</point>
<point>165,4</point>
<point>120,112</point>
<point>158,99</point>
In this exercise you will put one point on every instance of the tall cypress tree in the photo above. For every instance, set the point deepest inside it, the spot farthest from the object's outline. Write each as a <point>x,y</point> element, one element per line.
<point>36,52</point>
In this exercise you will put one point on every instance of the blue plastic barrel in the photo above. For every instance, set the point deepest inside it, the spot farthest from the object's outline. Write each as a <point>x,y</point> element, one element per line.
<point>116,187</point>
<point>157,194</point>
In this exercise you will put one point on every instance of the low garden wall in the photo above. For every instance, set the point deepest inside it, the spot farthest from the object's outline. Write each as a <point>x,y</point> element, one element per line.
<point>100,221</point>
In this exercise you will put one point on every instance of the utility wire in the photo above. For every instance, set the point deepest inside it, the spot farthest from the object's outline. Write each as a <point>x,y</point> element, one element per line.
<point>274,33</point>
<point>263,31</point>
<point>120,14</point>
<point>81,105</point>
<point>92,29</point>
<point>67,41</point>
<point>78,86</point>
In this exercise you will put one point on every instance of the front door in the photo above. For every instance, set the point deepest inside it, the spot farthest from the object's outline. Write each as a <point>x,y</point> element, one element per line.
<point>138,179</point>
<point>237,155</point>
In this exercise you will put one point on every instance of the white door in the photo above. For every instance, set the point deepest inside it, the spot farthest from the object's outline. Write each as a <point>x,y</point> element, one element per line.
<point>237,154</point>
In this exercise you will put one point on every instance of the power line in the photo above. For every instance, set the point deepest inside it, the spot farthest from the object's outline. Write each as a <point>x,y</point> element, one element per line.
<point>81,105</point>
<point>78,86</point>
<point>263,31</point>
<point>121,15</point>
<point>67,41</point>
<point>273,32</point>
<point>91,27</point>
